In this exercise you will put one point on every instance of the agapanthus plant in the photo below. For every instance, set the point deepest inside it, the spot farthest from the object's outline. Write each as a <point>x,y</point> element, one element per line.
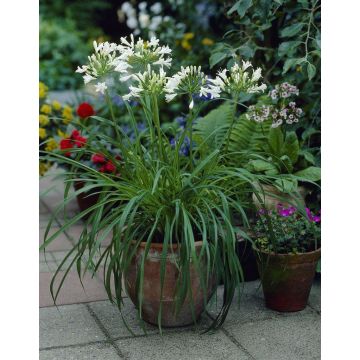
<point>159,195</point>
<point>287,230</point>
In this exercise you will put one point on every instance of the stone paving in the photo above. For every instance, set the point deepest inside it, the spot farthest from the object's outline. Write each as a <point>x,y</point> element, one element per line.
<point>85,325</point>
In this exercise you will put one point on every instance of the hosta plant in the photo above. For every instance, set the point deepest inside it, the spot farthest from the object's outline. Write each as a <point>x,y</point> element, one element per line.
<point>156,195</point>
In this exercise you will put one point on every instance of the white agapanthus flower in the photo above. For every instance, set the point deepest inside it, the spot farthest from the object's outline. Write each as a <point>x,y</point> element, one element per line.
<point>190,80</point>
<point>149,82</point>
<point>156,8</point>
<point>138,55</point>
<point>239,79</point>
<point>102,62</point>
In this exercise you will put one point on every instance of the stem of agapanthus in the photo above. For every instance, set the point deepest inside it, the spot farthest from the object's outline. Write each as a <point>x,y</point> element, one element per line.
<point>190,129</point>
<point>109,103</point>
<point>157,125</point>
<point>232,122</point>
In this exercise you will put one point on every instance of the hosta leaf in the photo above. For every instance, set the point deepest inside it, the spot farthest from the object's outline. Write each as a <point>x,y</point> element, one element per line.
<point>291,146</point>
<point>312,173</point>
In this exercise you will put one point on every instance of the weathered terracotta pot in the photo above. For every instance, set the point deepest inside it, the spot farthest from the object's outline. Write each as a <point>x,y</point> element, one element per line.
<point>85,199</point>
<point>271,202</point>
<point>152,287</point>
<point>287,279</point>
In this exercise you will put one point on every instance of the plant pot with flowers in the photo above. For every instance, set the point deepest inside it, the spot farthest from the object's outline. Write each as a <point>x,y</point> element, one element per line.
<point>171,215</point>
<point>281,154</point>
<point>287,242</point>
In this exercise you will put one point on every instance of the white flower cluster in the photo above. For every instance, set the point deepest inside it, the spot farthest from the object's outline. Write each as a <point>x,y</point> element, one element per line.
<point>149,82</point>
<point>101,63</point>
<point>142,18</point>
<point>239,79</point>
<point>283,91</point>
<point>258,114</point>
<point>130,59</point>
<point>189,80</point>
<point>288,114</point>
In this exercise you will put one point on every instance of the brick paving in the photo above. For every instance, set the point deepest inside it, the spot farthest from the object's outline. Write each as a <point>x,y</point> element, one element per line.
<point>85,325</point>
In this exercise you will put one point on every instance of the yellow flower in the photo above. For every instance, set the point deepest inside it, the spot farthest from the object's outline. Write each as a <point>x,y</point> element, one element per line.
<point>188,36</point>
<point>43,120</point>
<point>67,114</point>
<point>43,167</point>
<point>42,133</point>
<point>207,41</point>
<point>62,134</point>
<point>185,41</point>
<point>43,89</point>
<point>45,109</point>
<point>56,105</point>
<point>51,145</point>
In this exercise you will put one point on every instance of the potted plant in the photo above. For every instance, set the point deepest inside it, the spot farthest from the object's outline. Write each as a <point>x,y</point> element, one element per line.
<point>281,153</point>
<point>170,215</point>
<point>287,242</point>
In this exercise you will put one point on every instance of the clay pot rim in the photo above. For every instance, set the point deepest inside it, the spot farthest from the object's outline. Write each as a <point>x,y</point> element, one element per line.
<point>291,258</point>
<point>160,245</point>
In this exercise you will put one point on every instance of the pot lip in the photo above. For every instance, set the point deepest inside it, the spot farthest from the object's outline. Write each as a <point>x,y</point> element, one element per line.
<point>160,245</point>
<point>309,253</point>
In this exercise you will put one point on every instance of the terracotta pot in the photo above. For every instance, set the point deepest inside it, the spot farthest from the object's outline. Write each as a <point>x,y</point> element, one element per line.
<point>152,287</point>
<point>287,279</point>
<point>271,202</point>
<point>86,199</point>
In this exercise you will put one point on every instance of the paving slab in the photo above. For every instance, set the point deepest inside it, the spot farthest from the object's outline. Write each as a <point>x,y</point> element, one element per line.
<point>183,345</point>
<point>68,325</point>
<point>48,267</point>
<point>102,351</point>
<point>287,337</point>
<point>61,242</point>
<point>71,292</point>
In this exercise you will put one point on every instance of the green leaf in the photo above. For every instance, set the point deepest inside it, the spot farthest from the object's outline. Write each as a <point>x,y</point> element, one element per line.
<point>286,185</point>
<point>309,157</point>
<point>276,141</point>
<point>287,164</point>
<point>311,70</point>
<point>291,30</point>
<point>216,58</point>
<point>241,7</point>
<point>261,165</point>
<point>287,46</point>
<point>289,63</point>
<point>291,146</point>
<point>312,173</point>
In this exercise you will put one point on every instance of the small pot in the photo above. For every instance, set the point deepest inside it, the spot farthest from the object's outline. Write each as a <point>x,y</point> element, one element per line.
<point>86,199</point>
<point>271,202</point>
<point>247,259</point>
<point>152,287</point>
<point>287,279</point>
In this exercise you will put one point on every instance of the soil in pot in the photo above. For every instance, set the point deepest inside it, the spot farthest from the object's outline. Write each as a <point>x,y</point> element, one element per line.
<point>152,288</point>
<point>287,279</point>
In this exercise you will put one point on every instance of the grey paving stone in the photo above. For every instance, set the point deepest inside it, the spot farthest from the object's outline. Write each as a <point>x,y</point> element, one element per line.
<point>185,345</point>
<point>288,337</point>
<point>102,351</point>
<point>61,242</point>
<point>47,267</point>
<point>67,325</point>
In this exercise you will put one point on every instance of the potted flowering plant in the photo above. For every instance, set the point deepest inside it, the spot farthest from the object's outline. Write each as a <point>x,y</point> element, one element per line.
<point>281,153</point>
<point>288,246</point>
<point>170,215</point>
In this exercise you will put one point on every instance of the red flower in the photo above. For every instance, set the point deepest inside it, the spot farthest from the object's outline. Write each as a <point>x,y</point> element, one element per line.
<point>102,169</point>
<point>110,167</point>
<point>98,159</point>
<point>85,110</point>
<point>118,157</point>
<point>66,144</point>
<point>75,134</point>
<point>80,141</point>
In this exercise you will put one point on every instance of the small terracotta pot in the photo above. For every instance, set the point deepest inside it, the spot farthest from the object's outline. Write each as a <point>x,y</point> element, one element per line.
<point>86,199</point>
<point>271,202</point>
<point>287,279</point>
<point>152,287</point>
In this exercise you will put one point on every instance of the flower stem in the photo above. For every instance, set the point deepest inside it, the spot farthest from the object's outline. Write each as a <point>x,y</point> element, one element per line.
<point>109,103</point>
<point>232,123</point>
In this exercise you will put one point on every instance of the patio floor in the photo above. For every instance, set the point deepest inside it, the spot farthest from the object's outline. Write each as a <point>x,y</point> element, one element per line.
<point>84,325</point>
